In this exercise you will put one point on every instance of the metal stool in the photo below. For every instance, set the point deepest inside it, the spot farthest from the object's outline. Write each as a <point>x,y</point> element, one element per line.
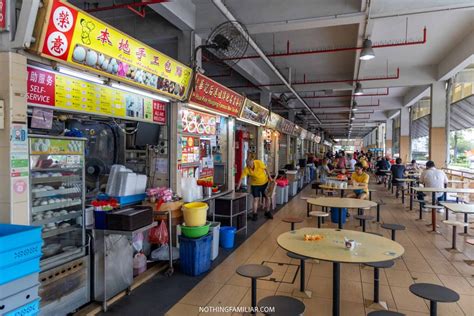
<point>282,305</point>
<point>433,217</point>
<point>455,225</point>
<point>393,228</point>
<point>292,221</point>
<point>302,260</point>
<point>422,202</point>
<point>320,215</point>
<point>385,313</point>
<point>434,293</point>
<point>377,266</point>
<point>254,271</point>
<point>363,219</point>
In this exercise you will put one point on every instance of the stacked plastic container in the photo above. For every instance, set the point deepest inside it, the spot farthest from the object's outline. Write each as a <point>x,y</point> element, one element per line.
<point>20,253</point>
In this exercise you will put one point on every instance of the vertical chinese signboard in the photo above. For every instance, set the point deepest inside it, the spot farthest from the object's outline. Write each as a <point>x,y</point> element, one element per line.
<point>3,15</point>
<point>71,36</point>
<point>216,97</point>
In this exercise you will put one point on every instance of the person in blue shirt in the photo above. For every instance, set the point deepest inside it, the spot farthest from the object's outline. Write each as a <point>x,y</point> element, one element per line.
<point>381,164</point>
<point>398,172</point>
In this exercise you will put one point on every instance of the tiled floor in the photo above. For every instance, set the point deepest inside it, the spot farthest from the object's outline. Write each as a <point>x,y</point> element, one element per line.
<point>425,260</point>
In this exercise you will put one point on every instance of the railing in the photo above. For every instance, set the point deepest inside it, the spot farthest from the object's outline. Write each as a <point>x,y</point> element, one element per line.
<point>456,174</point>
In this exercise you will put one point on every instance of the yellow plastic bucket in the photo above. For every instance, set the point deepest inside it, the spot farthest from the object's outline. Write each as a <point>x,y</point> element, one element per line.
<point>195,213</point>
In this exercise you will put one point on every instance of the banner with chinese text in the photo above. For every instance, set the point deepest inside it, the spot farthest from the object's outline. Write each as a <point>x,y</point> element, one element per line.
<point>286,127</point>
<point>75,37</point>
<point>215,96</point>
<point>254,112</point>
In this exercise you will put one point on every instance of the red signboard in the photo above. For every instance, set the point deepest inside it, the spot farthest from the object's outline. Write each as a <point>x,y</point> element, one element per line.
<point>3,14</point>
<point>159,112</point>
<point>41,87</point>
<point>216,97</point>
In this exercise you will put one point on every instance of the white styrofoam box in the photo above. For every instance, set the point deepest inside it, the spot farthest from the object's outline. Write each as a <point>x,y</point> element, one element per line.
<point>127,183</point>
<point>141,184</point>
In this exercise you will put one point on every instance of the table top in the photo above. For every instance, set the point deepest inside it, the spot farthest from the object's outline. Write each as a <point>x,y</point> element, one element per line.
<point>458,181</point>
<point>459,208</point>
<point>406,180</point>
<point>448,190</point>
<point>369,247</point>
<point>233,196</point>
<point>349,187</point>
<point>341,202</point>
<point>337,179</point>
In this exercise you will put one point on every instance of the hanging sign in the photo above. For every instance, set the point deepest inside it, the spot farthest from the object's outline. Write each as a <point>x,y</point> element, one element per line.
<point>194,122</point>
<point>273,121</point>
<point>317,139</point>
<point>297,131</point>
<point>3,15</point>
<point>254,112</point>
<point>48,88</point>
<point>72,36</point>
<point>303,133</point>
<point>286,126</point>
<point>215,96</point>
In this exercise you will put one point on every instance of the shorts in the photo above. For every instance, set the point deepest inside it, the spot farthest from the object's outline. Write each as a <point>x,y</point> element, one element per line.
<point>258,190</point>
<point>358,193</point>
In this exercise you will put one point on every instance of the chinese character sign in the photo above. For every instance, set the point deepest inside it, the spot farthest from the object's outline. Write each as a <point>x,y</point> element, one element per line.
<point>3,14</point>
<point>212,95</point>
<point>78,38</point>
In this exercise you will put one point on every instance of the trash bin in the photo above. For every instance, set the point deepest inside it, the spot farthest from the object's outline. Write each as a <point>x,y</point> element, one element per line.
<point>293,188</point>
<point>227,236</point>
<point>215,227</point>
<point>195,254</point>
<point>280,195</point>
<point>335,215</point>
<point>286,194</point>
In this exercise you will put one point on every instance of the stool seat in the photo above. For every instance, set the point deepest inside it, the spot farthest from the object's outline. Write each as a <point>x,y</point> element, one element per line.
<point>419,201</point>
<point>385,313</point>
<point>292,220</point>
<point>282,305</point>
<point>364,217</point>
<point>296,256</point>
<point>435,207</point>
<point>318,214</point>
<point>455,223</point>
<point>393,226</point>
<point>470,241</point>
<point>381,264</point>
<point>254,271</point>
<point>434,292</point>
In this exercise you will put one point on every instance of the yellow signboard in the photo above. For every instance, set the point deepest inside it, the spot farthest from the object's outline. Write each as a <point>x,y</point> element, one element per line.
<point>75,37</point>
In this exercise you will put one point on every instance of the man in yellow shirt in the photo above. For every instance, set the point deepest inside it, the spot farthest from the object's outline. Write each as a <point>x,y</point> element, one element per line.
<point>361,179</point>
<point>259,177</point>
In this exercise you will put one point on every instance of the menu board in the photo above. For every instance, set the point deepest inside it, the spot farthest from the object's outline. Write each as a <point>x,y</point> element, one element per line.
<point>317,139</point>
<point>46,146</point>
<point>190,149</point>
<point>273,121</point>
<point>297,131</point>
<point>215,96</point>
<point>72,36</point>
<point>254,112</point>
<point>286,127</point>
<point>48,88</point>
<point>199,123</point>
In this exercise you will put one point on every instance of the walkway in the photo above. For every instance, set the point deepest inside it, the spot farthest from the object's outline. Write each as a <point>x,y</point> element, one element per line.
<point>425,260</point>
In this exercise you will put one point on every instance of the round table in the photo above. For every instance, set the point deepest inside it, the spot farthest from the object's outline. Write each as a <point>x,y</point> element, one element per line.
<point>342,189</point>
<point>341,203</point>
<point>369,248</point>
<point>466,209</point>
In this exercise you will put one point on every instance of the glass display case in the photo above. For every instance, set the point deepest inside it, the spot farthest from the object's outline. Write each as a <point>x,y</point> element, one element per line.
<point>57,193</point>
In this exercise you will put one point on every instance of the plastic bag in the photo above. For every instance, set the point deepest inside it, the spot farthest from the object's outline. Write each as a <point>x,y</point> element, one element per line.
<point>159,235</point>
<point>138,242</point>
<point>270,190</point>
<point>139,264</point>
<point>163,253</point>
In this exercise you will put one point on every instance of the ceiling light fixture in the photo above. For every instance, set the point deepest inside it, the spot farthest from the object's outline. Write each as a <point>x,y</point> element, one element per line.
<point>81,75</point>
<point>358,89</point>
<point>138,91</point>
<point>367,50</point>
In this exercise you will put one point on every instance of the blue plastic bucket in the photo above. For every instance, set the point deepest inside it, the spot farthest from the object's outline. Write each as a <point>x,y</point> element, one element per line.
<point>335,215</point>
<point>227,236</point>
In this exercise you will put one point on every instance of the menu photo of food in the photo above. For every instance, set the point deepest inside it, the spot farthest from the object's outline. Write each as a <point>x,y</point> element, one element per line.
<point>198,123</point>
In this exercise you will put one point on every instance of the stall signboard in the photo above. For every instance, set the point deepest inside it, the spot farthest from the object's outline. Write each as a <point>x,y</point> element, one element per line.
<point>190,149</point>
<point>303,133</point>
<point>254,112</point>
<point>199,123</point>
<point>214,96</point>
<point>3,14</point>
<point>327,143</point>
<point>309,136</point>
<point>71,36</point>
<point>51,89</point>
<point>317,139</point>
<point>286,127</point>
<point>297,131</point>
<point>273,121</point>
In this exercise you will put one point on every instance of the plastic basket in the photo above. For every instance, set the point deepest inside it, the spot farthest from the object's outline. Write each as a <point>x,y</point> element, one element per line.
<point>100,219</point>
<point>19,270</point>
<point>29,309</point>
<point>19,299</point>
<point>130,199</point>
<point>17,236</point>
<point>18,285</point>
<point>195,254</point>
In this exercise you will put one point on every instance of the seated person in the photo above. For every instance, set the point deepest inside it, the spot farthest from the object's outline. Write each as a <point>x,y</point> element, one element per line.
<point>398,172</point>
<point>382,164</point>
<point>361,179</point>
<point>433,178</point>
<point>413,166</point>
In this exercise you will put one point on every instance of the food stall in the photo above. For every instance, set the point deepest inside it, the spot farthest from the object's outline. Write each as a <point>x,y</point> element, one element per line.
<point>285,127</point>
<point>271,139</point>
<point>97,98</point>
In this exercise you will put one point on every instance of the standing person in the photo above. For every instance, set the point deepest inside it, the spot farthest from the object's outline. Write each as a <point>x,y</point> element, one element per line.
<point>364,162</point>
<point>352,162</point>
<point>361,179</point>
<point>433,178</point>
<point>341,163</point>
<point>259,177</point>
<point>398,172</point>
<point>324,171</point>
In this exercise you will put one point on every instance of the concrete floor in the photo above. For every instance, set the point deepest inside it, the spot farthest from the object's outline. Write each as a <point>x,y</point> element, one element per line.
<point>425,260</point>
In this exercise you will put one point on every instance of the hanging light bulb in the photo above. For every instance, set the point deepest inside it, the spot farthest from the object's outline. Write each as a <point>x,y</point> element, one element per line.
<point>358,89</point>
<point>367,50</point>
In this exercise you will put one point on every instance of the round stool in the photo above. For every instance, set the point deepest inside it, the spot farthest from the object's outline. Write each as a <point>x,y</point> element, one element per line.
<point>455,225</point>
<point>320,215</point>
<point>364,218</point>
<point>282,305</point>
<point>377,266</point>
<point>434,293</point>
<point>254,271</point>
<point>292,221</point>
<point>393,228</point>
<point>385,313</point>
<point>302,267</point>
<point>470,241</point>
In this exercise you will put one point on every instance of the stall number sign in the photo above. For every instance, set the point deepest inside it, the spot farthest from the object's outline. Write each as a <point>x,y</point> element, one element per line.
<point>3,15</point>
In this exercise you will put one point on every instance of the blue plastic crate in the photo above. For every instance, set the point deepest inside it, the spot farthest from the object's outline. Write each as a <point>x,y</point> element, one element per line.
<point>8,274</point>
<point>16,236</point>
<point>195,254</point>
<point>100,219</point>
<point>130,199</point>
<point>29,309</point>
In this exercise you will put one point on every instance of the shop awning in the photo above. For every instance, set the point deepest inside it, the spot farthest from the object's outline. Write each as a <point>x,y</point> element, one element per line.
<point>462,114</point>
<point>421,127</point>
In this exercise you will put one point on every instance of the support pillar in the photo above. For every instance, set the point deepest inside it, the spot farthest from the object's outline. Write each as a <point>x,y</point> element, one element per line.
<point>388,138</point>
<point>438,136</point>
<point>405,134</point>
